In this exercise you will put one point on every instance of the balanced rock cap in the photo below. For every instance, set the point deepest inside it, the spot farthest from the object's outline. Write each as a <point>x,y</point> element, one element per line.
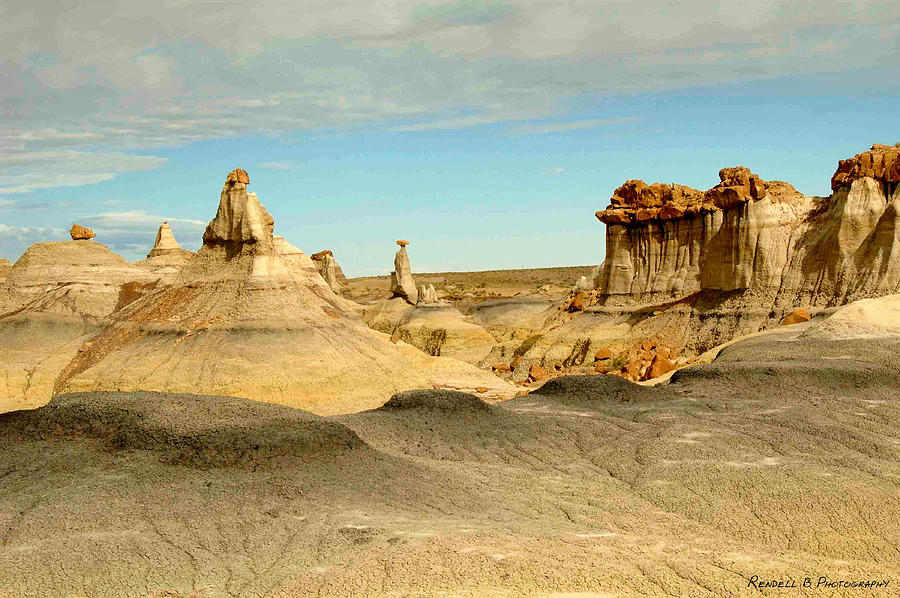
<point>81,233</point>
<point>402,242</point>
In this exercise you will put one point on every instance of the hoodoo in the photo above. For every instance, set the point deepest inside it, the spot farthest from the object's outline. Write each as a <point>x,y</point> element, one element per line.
<point>402,282</point>
<point>330,270</point>
<point>252,317</point>
<point>166,256</point>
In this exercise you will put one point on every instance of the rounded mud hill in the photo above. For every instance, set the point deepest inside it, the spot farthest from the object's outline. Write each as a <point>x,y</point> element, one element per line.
<point>193,430</point>
<point>594,388</point>
<point>440,400</point>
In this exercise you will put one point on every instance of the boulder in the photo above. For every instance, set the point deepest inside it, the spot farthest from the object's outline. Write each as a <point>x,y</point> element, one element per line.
<point>796,317</point>
<point>536,372</point>
<point>81,233</point>
<point>603,353</point>
<point>659,366</point>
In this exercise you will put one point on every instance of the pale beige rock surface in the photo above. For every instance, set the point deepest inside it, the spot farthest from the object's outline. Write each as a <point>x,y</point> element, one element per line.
<point>402,282</point>
<point>166,257</point>
<point>5,268</point>
<point>254,318</point>
<point>866,318</point>
<point>55,296</point>
<point>436,329</point>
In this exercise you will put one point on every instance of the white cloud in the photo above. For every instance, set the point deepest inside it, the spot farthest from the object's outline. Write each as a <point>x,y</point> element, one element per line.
<point>136,76</point>
<point>14,240</point>
<point>26,171</point>
<point>555,171</point>
<point>564,127</point>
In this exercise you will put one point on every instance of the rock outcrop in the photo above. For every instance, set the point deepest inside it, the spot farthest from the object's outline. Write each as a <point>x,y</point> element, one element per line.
<point>241,223</point>
<point>81,233</point>
<point>166,256</point>
<point>5,269</point>
<point>251,316</point>
<point>427,294</point>
<point>402,282</point>
<point>330,270</point>
<point>55,296</point>
<point>691,270</point>
<point>750,235</point>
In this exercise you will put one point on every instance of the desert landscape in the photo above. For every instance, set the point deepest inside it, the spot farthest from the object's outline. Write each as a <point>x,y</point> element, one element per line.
<point>449,299</point>
<point>709,409</point>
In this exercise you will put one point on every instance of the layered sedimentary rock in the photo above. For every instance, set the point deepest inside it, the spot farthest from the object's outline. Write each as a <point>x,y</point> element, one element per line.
<point>252,317</point>
<point>690,269</point>
<point>750,235</point>
<point>56,295</point>
<point>402,282</point>
<point>166,256</point>
<point>5,269</point>
<point>330,270</point>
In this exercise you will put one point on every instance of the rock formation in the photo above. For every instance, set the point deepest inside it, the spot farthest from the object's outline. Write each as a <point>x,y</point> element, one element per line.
<point>427,294</point>
<point>55,296</point>
<point>251,316</point>
<point>402,282</point>
<point>693,269</point>
<point>81,233</point>
<point>5,268</point>
<point>166,256</point>
<point>330,270</point>
<point>746,234</point>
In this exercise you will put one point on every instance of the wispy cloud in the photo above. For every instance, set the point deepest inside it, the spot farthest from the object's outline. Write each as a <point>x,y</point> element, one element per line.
<point>575,125</point>
<point>555,171</point>
<point>26,171</point>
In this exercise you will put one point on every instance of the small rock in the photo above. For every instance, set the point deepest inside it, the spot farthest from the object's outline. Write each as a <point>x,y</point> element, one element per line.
<point>659,367</point>
<point>395,338</point>
<point>603,353</point>
<point>501,367</point>
<point>481,389</point>
<point>81,233</point>
<point>795,317</point>
<point>537,372</point>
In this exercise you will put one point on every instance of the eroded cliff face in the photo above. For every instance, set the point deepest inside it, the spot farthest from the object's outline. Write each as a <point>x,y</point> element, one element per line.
<point>765,238</point>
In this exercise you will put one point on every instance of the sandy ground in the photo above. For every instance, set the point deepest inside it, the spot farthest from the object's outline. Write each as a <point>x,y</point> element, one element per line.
<point>480,285</point>
<point>781,460</point>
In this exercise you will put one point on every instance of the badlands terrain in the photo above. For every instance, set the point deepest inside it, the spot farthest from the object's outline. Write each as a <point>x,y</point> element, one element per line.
<point>711,409</point>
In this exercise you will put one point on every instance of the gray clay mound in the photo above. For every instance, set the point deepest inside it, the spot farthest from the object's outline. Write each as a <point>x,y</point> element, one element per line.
<point>193,430</point>
<point>594,389</point>
<point>445,401</point>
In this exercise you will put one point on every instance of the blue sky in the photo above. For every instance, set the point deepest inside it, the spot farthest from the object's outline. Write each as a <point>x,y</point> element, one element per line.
<point>486,133</point>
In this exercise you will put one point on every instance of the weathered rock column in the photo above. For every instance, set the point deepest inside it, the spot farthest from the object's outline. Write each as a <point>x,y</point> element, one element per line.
<point>402,282</point>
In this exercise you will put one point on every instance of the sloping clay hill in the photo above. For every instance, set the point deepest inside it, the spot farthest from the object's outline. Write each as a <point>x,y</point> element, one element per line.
<point>778,461</point>
<point>249,315</point>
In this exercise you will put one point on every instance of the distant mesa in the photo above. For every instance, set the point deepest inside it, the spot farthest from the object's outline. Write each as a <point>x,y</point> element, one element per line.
<point>81,233</point>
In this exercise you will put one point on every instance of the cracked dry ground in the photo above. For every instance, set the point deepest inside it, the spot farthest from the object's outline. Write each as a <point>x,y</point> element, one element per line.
<point>779,459</point>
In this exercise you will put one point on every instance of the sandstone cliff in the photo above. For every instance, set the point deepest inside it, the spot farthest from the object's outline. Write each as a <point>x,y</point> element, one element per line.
<point>750,235</point>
